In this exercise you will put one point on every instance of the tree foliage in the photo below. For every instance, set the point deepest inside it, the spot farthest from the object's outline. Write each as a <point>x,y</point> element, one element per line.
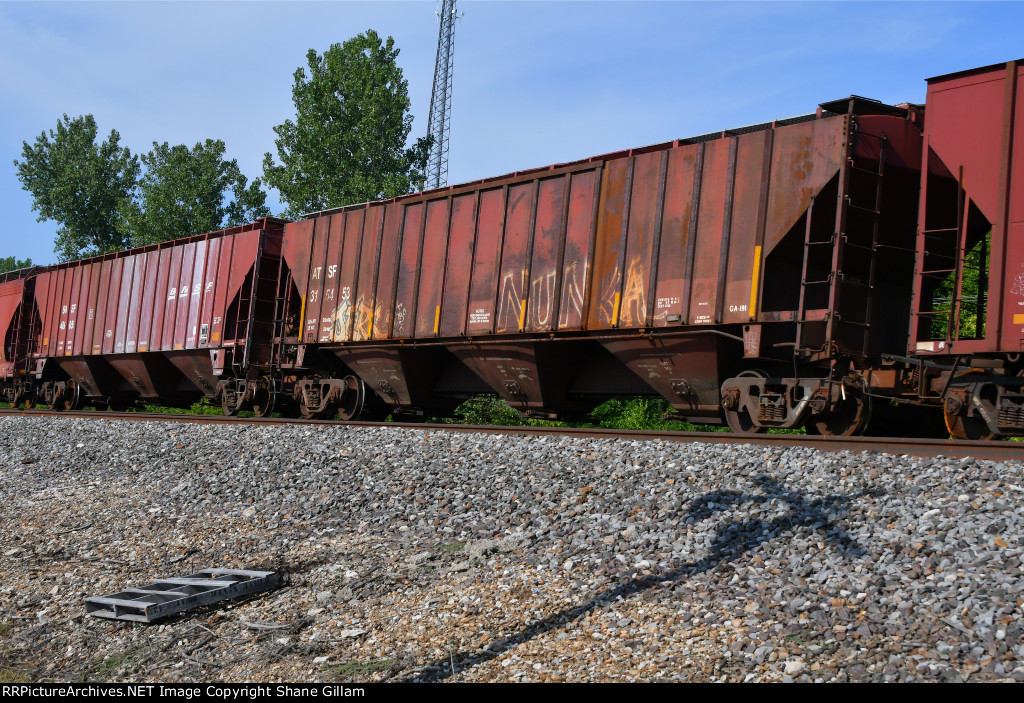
<point>347,143</point>
<point>82,185</point>
<point>11,264</point>
<point>185,191</point>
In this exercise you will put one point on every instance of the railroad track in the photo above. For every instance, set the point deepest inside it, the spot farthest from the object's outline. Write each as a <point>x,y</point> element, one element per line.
<point>993,450</point>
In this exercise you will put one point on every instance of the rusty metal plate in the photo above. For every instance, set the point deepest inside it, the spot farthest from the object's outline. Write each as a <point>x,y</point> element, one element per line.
<point>512,281</point>
<point>408,273</point>
<point>603,311</point>
<point>545,263</point>
<point>387,271</point>
<point>576,257</point>
<point>490,226</point>
<point>435,250</point>
<point>459,267</point>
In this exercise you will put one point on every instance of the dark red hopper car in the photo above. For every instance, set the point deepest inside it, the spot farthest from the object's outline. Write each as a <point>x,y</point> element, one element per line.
<point>161,322</point>
<point>861,266</point>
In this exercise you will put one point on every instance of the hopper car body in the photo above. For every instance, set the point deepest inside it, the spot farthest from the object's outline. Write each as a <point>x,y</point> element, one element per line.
<point>864,261</point>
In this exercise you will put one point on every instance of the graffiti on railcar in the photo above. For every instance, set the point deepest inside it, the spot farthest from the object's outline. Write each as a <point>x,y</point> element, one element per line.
<point>365,318</point>
<point>542,299</point>
<point>401,315</point>
<point>571,307</point>
<point>633,308</point>
<point>607,315</point>
<point>510,302</point>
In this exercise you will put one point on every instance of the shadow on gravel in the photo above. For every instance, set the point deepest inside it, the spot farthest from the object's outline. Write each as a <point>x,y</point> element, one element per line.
<point>732,540</point>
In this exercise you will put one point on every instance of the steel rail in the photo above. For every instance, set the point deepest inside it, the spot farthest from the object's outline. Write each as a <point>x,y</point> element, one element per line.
<point>991,450</point>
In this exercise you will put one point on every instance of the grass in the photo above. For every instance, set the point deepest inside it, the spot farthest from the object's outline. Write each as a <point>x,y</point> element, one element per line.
<point>7,674</point>
<point>361,669</point>
<point>109,665</point>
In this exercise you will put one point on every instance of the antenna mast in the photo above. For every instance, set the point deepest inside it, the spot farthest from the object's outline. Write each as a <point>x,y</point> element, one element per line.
<point>441,99</point>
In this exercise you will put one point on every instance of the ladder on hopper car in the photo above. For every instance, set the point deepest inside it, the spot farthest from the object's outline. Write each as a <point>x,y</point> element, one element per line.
<point>857,230</point>
<point>254,326</point>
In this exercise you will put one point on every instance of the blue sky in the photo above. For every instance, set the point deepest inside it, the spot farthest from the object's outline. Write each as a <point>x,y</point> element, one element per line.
<point>535,82</point>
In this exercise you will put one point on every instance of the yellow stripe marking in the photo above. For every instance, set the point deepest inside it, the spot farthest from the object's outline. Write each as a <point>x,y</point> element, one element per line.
<point>754,280</point>
<point>522,313</point>
<point>369,326</point>
<point>437,318</point>
<point>615,309</point>
<point>302,318</point>
<point>1018,319</point>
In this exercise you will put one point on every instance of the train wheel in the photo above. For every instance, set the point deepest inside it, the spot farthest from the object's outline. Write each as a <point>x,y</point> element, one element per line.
<point>19,396</point>
<point>737,417</point>
<point>64,399</point>
<point>351,403</point>
<point>229,402</point>
<point>321,414</point>
<point>264,398</point>
<point>961,426</point>
<point>850,418</point>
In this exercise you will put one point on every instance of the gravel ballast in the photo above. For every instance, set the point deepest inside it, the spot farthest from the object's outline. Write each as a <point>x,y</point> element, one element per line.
<point>441,556</point>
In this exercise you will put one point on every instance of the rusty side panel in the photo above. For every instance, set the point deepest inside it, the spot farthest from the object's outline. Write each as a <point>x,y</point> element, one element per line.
<point>88,316</point>
<point>675,236</point>
<point>405,292</point>
<point>387,271</point>
<point>460,265</point>
<point>641,229</point>
<point>298,239</point>
<point>512,284</point>
<point>169,299</point>
<point>98,307</point>
<point>184,294</point>
<point>71,300</point>
<point>213,264</point>
<point>805,157</point>
<point>542,308</point>
<point>81,311</point>
<point>243,257</point>
<point>42,299</point>
<point>110,306</point>
<point>195,296</point>
<point>576,254</point>
<point>435,250</point>
<point>131,334</point>
<point>743,238</point>
<point>704,293</point>
<point>151,331</point>
<point>124,302</point>
<point>486,259</point>
<point>339,314</point>
<point>60,314</point>
<point>609,245</point>
<point>330,228</point>
<point>221,301</point>
<point>11,293</point>
<point>369,256</point>
<point>318,250</point>
<point>64,338</point>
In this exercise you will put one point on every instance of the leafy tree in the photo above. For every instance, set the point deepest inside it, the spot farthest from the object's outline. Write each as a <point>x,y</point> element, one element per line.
<point>347,143</point>
<point>184,192</point>
<point>12,264</point>
<point>82,185</point>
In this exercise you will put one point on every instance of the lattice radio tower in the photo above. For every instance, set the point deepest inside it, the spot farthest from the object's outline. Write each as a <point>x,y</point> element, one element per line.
<point>441,98</point>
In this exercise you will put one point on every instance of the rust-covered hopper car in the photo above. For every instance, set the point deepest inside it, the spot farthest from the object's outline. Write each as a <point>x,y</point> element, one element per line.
<point>861,261</point>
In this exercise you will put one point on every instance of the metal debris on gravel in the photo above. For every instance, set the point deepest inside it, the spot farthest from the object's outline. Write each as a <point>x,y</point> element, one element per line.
<point>436,556</point>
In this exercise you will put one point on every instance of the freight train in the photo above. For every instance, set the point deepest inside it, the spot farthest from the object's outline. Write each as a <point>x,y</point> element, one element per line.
<point>858,267</point>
